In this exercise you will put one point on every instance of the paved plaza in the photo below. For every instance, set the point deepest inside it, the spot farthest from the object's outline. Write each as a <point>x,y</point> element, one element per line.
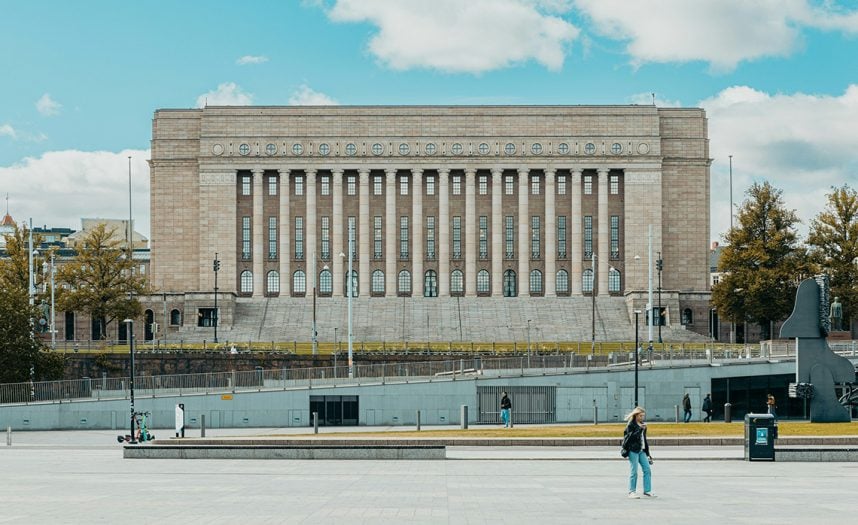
<point>77,477</point>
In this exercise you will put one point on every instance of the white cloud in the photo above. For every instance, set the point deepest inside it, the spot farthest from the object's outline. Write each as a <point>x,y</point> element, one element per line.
<point>801,143</point>
<point>251,59</point>
<point>59,188</point>
<point>721,32</point>
<point>8,130</point>
<point>462,37</point>
<point>226,94</point>
<point>305,96</point>
<point>48,106</point>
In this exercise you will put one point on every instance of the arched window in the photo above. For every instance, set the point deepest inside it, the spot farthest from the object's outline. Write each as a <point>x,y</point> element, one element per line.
<point>272,282</point>
<point>299,282</point>
<point>509,284</point>
<point>377,282</point>
<point>457,282</point>
<point>483,282</point>
<point>614,280</point>
<point>355,291</point>
<point>430,284</point>
<point>246,281</point>
<point>404,285</point>
<point>175,317</point>
<point>535,282</point>
<point>587,277</point>
<point>326,284</point>
<point>562,282</point>
<point>687,316</point>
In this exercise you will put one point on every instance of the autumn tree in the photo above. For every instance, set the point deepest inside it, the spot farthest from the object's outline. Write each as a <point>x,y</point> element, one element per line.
<point>762,262</point>
<point>101,281</point>
<point>833,243</point>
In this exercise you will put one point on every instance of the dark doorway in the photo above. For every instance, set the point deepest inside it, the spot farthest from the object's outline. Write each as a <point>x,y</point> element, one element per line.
<point>335,411</point>
<point>148,334</point>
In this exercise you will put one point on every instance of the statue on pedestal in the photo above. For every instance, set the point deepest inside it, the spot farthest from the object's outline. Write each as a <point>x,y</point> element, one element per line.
<point>836,315</point>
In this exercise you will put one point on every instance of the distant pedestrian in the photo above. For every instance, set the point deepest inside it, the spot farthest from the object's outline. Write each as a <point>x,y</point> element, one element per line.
<point>707,408</point>
<point>686,406</point>
<point>771,407</point>
<point>634,440</point>
<point>505,408</point>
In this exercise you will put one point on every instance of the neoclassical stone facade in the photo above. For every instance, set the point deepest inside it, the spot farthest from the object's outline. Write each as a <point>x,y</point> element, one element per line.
<point>441,200</point>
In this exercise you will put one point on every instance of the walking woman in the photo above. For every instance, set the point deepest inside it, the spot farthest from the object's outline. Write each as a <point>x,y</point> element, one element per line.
<point>634,440</point>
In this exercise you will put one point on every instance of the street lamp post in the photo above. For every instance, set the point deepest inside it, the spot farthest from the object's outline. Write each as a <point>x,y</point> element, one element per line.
<point>593,314</point>
<point>659,264</point>
<point>53,312</point>
<point>130,324</point>
<point>215,267</point>
<point>349,292</point>
<point>637,345</point>
<point>528,343</point>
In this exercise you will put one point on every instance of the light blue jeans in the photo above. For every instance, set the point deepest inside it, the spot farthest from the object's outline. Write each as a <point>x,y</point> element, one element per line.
<point>636,458</point>
<point>505,416</point>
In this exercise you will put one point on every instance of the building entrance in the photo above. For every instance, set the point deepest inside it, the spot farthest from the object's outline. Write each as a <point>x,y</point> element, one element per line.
<point>335,410</point>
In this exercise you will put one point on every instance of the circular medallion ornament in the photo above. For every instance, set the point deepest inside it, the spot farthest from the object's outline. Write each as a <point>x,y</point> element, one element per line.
<point>377,149</point>
<point>483,148</point>
<point>456,149</point>
<point>324,149</point>
<point>270,149</point>
<point>563,148</point>
<point>509,148</point>
<point>616,148</point>
<point>297,149</point>
<point>431,148</point>
<point>404,149</point>
<point>351,149</point>
<point>589,148</point>
<point>643,148</point>
<point>217,149</point>
<point>536,148</point>
<point>244,149</point>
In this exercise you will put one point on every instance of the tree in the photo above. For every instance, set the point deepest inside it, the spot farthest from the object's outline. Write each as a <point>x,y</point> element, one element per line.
<point>100,281</point>
<point>762,262</point>
<point>22,355</point>
<point>833,243</point>
<point>14,268</point>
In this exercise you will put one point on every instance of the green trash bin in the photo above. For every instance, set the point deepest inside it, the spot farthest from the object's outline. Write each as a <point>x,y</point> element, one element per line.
<point>760,434</point>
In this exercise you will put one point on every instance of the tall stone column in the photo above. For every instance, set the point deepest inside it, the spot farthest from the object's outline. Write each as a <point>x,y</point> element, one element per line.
<point>417,232</point>
<point>337,236</point>
<point>550,235</point>
<point>523,233</point>
<point>576,237</point>
<point>604,232</point>
<point>444,232</point>
<point>470,233</point>
<point>364,234</point>
<point>310,250</point>
<point>258,235</point>
<point>497,232</point>
<point>285,237</point>
<point>391,251</point>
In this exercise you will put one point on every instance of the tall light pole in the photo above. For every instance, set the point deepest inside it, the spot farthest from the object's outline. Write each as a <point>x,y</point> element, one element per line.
<point>215,267</point>
<point>53,326</point>
<point>593,316</point>
<point>528,339</point>
<point>651,317</point>
<point>659,264</point>
<point>130,324</point>
<point>349,292</point>
<point>637,344</point>
<point>731,192</point>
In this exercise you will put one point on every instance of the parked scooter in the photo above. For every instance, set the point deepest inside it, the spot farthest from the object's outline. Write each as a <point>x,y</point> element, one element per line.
<point>142,433</point>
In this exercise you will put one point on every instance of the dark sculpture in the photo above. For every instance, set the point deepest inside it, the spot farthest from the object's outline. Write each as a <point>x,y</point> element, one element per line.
<point>816,364</point>
<point>836,315</point>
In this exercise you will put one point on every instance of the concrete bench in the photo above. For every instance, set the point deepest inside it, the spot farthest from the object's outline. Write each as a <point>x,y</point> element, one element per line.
<point>309,451</point>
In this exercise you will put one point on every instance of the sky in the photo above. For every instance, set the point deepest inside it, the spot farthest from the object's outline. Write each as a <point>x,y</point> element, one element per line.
<point>81,80</point>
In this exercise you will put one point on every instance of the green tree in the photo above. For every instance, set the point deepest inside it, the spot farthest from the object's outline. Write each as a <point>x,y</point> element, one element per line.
<point>833,243</point>
<point>14,268</point>
<point>101,281</point>
<point>20,351</point>
<point>762,262</point>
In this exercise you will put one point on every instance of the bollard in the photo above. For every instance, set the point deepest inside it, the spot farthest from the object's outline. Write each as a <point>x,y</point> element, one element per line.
<point>8,436</point>
<point>203,426</point>
<point>315,422</point>
<point>676,413</point>
<point>727,417</point>
<point>510,418</point>
<point>463,422</point>
<point>418,421</point>
<point>595,413</point>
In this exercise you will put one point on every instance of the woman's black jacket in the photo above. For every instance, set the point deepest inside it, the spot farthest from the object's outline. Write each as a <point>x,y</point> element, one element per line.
<point>633,438</point>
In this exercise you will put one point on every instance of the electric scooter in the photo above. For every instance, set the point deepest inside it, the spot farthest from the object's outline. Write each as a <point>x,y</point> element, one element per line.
<point>142,433</point>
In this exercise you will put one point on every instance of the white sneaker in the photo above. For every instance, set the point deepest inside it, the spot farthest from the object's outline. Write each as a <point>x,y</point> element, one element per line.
<point>634,495</point>
<point>649,495</point>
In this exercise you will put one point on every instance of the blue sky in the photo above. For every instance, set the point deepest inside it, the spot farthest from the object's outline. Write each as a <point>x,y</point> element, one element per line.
<point>82,79</point>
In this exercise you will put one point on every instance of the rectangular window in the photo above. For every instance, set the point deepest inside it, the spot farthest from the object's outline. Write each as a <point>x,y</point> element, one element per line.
<point>403,185</point>
<point>272,185</point>
<point>561,236</point>
<point>326,185</point>
<point>509,236</point>
<point>534,185</point>
<point>272,237</point>
<point>299,238</point>
<point>457,237</point>
<point>326,238</point>
<point>457,184</point>
<point>351,185</point>
<point>430,185</point>
<point>352,235</point>
<point>376,185</point>
<point>615,236</point>
<point>484,237</point>
<point>245,238</point>
<point>430,238</point>
<point>299,185</point>
<point>561,185</point>
<point>588,236</point>
<point>376,237</point>
<point>403,237</point>
<point>615,184</point>
<point>484,185</point>
<point>245,184</point>
<point>588,184</point>
<point>535,237</point>
<point>509,185</point>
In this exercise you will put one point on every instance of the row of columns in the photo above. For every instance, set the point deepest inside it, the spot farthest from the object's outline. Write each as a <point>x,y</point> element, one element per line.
<point>364,241</point>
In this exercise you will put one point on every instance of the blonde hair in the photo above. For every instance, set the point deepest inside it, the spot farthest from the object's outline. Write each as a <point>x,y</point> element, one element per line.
<point>633,413</point>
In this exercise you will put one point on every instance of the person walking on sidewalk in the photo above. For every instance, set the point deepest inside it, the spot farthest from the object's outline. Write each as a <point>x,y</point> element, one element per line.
<point>686,406</point>
<point>505,408</point>
<point>707,408</point>
<point>771,407</point>
<point>635,442</point>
